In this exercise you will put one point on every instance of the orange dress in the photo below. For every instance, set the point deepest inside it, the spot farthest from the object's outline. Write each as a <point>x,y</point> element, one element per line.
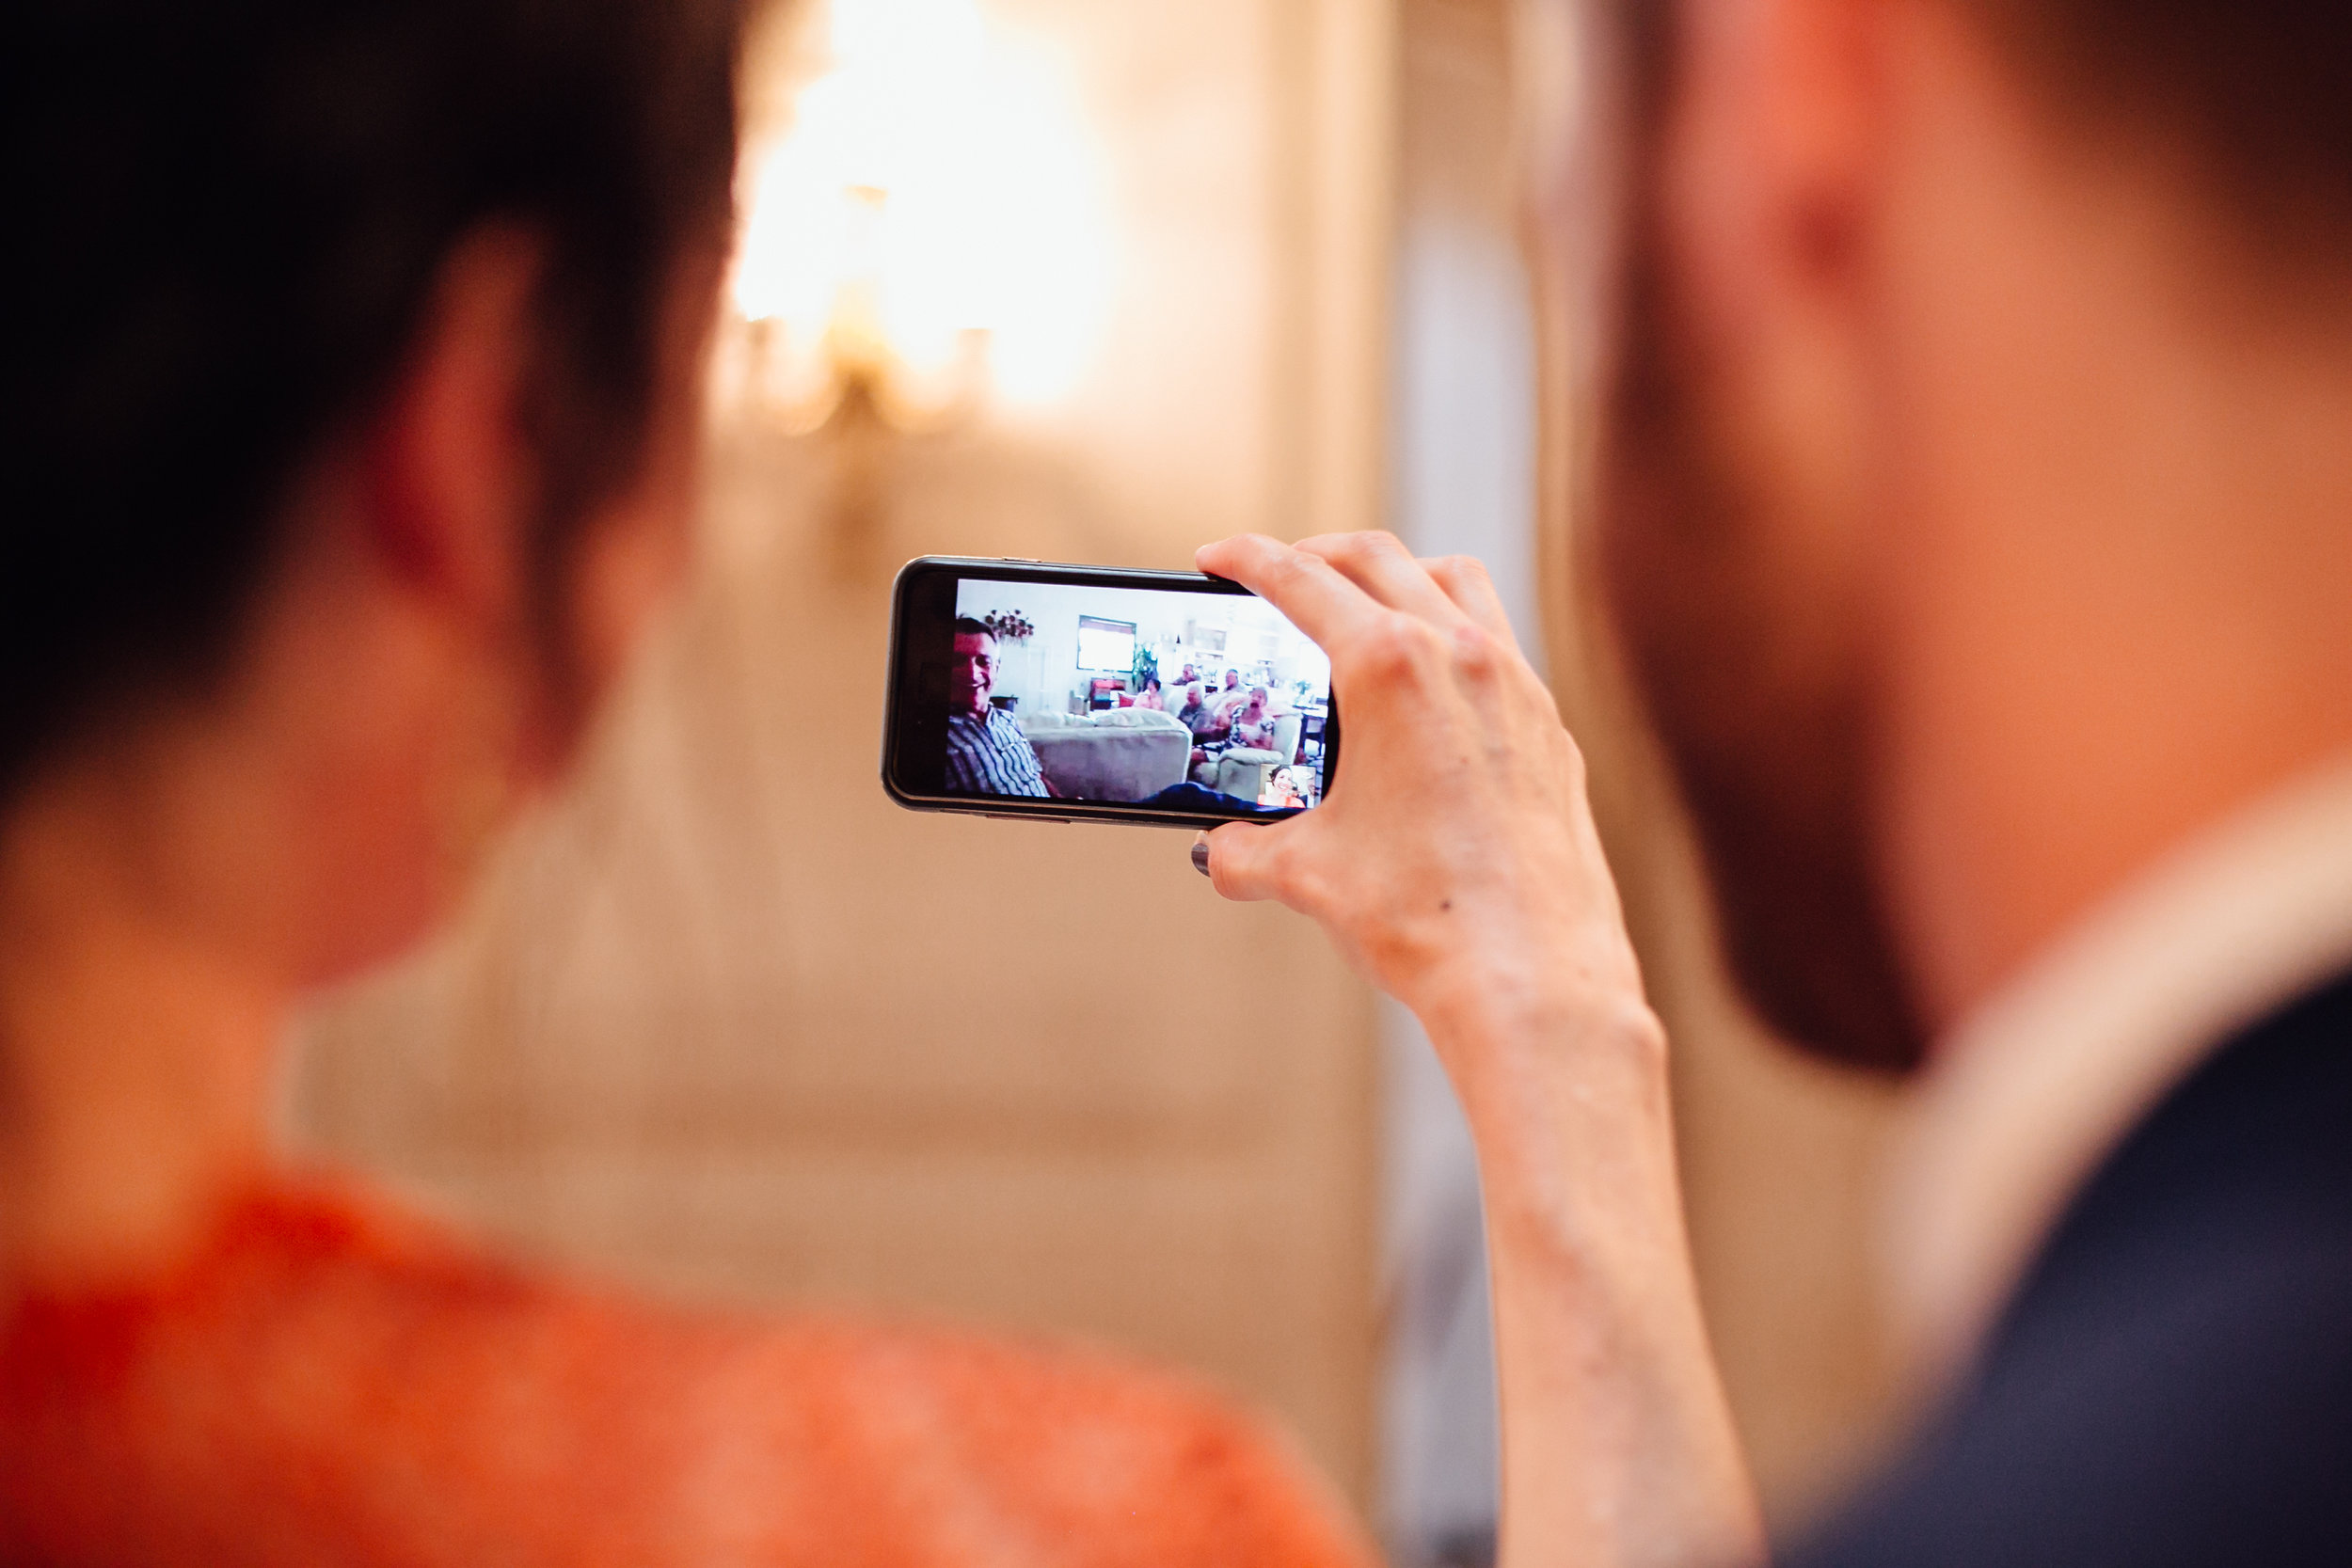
<point>333,1380</point>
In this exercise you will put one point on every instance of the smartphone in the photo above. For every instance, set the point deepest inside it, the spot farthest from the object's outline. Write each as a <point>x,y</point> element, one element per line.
<point>1025,688</point>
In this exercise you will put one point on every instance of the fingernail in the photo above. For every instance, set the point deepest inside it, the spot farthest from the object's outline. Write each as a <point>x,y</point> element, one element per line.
<point>1200,854</point>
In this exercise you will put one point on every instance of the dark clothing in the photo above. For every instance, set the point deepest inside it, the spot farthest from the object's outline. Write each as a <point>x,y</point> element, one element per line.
<point>2172,1384</point>
<point>1195,798</point>
<point>991,756</point>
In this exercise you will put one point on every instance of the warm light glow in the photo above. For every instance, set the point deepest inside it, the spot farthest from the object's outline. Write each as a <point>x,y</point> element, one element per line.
<point>937,183</point>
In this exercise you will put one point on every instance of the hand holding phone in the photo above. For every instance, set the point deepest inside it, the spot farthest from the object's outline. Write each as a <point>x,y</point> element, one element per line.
<point>1022,688</point>
<point>1457,867</point>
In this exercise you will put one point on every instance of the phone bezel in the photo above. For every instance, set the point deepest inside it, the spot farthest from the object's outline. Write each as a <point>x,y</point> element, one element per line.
<point>896,711</point>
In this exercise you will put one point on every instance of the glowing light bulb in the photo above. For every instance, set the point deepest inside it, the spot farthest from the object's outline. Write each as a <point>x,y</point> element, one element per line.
<point>938,182</point>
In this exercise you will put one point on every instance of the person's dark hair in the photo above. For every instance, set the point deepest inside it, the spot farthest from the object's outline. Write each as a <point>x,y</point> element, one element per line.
<point>2259,92</point>
<point>967,627</point>
<point>227,220</point>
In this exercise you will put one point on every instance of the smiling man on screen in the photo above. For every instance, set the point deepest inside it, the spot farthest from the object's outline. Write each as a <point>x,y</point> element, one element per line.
<point>987,753</point>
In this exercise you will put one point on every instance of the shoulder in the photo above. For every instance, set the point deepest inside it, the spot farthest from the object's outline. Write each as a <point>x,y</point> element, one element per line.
<point>984,1450</point>
<point>322,1331</point>
<point>305,1281</point>
<point>2173,1382</point>
<point>2211,1425</point>
<point>287,1395</point>
<point>2214,1427</point>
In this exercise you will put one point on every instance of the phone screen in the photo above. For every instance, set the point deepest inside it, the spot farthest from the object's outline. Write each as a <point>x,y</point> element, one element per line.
<point>1088,691</point>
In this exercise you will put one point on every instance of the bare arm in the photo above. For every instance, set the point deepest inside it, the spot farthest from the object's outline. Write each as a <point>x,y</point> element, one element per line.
<point>1455,864</point>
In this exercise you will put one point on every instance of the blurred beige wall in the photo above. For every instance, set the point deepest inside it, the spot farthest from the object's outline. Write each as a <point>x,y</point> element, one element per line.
<point>725,1022</point>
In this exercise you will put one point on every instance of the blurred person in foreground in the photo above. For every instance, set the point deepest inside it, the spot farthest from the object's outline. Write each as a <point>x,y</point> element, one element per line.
<point>1975,505</point>
<point>350,421</point>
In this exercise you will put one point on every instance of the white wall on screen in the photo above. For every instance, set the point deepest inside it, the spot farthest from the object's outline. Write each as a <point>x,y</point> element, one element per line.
<point>1045,674</point>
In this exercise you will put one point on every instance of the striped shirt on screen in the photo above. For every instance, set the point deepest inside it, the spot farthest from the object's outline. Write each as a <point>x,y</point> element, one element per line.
<point>991,756</point>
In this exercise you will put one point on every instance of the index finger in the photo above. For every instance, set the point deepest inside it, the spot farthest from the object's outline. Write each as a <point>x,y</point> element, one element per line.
<point>1382,567</point>
<point>1467,583</point>
<point>1317,598</point>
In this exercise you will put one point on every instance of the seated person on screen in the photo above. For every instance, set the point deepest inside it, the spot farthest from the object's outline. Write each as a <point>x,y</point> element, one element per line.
<point>987,753</point>
<point>1201,716</point>
<point>1254,723</point>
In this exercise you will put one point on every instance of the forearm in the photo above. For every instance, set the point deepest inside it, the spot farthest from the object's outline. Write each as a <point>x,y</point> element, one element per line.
<point>1457,863</point>
<point>1618,1447</point>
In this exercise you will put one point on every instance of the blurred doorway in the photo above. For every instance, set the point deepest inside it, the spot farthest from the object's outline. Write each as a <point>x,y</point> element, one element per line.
<point>1463,466</point>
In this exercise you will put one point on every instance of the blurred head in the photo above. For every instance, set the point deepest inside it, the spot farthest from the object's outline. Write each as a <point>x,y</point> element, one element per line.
<point>1232,679</point>
<point>353,432</point>
<point>1862,254</point>
<point>972,673</point>
<point>1192,696</point>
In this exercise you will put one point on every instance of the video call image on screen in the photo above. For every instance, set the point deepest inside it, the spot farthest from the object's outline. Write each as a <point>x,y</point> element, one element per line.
<point>1199,702</point>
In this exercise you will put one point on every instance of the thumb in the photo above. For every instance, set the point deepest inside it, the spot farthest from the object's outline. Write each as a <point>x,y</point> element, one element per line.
<point>1241,859</point>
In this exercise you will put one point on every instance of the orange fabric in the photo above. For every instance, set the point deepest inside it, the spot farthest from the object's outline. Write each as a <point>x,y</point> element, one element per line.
<point>335,1381</point>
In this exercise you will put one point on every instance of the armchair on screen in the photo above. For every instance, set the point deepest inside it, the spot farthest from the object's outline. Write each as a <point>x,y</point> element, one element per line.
<point>1242,770</point>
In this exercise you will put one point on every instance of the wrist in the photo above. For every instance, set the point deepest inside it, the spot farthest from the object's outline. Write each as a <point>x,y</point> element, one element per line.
<point>1564,1081</point>
<point>1517,1006</point>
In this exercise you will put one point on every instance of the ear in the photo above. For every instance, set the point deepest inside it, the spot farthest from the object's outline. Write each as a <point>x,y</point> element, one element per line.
<point>450,479</point>
<point>1770,156</point>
